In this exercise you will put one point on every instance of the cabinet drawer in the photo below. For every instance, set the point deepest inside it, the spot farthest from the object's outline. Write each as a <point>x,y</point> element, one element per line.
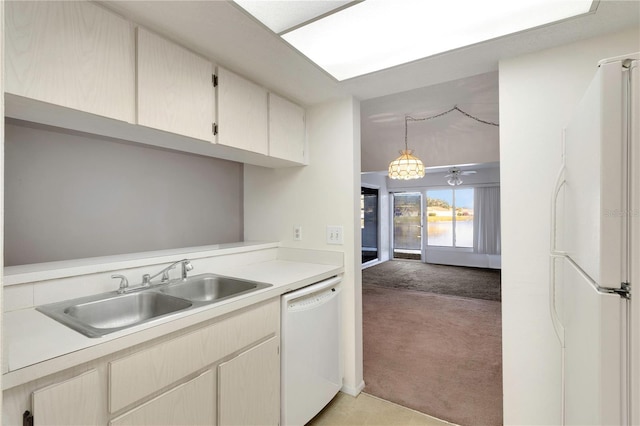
<point>158,366</point>
<point>191,403</point>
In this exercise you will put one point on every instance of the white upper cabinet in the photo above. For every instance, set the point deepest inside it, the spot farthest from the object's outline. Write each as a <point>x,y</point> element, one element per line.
<point>242,113</point>
<point>286,129</point>
<point>175,88</point>
<point>71,53</point>
<point>77,65</point>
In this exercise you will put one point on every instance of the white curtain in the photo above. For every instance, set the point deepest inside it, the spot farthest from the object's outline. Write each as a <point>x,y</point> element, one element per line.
<point>486,220</point>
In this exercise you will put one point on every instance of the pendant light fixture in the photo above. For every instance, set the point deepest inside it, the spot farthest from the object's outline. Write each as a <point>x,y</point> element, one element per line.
<point>407,166</point>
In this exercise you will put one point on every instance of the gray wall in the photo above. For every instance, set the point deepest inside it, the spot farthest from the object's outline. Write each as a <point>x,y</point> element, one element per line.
<point>70,195</point>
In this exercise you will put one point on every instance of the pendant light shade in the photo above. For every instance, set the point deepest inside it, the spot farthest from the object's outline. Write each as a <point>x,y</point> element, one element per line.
<point>406,166</point>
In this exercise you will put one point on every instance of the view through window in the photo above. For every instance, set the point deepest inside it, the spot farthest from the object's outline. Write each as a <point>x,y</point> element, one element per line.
<point>407,226</point>
<point>450,217</point>
<point>369,223</point>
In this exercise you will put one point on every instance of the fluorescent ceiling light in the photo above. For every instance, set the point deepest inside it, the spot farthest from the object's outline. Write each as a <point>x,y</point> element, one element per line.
<point>377,34</point>
<point>282,15</point>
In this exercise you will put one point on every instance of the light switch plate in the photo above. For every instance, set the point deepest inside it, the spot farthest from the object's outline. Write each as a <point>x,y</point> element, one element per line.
<point>335,234</point>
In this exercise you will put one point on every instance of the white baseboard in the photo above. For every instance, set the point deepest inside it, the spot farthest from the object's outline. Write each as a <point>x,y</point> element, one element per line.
<point>353,391</point>
<point>371,263</point>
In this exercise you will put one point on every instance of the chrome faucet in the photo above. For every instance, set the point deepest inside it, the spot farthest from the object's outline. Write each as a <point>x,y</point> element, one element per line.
<point>124,283</point>
<point>186,266</point>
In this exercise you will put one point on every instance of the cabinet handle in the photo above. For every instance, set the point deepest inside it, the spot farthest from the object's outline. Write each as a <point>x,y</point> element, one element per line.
<point>27,418</point>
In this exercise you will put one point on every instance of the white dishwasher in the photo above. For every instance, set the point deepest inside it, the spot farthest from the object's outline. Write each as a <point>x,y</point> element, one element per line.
<point>311,358</point>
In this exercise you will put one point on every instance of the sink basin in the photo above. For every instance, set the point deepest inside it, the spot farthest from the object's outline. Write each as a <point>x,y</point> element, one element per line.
<point>209,288</point>
<point>95,318</point>
<point>101,314</point>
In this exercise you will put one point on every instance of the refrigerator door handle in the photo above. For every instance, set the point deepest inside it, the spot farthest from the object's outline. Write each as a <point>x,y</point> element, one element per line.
<point>555,318</point>
<point>560,181</point>
<point>554,252</point>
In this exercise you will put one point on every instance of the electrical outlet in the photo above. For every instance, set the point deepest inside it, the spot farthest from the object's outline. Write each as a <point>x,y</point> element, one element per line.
<point>334,234</point>
<point>297,233</point>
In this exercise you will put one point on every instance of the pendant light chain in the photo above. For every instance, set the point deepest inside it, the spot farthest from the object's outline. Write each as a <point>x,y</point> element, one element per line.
<point>455,108</point>
<point>406,120</point>
<point>408,166</point>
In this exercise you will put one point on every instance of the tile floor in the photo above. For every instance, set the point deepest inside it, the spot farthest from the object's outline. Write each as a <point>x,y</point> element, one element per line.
<point>367,410</point>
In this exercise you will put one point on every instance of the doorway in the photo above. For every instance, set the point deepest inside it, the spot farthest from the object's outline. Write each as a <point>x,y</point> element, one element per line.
<point>407,226</point>
<point>429,327</point>
<point>369,219</point>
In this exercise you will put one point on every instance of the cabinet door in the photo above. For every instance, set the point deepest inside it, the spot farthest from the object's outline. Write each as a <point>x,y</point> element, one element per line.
<point>242,113</point>
<point>286,129</point>
<point>71,53</point>
<point>77,401</point>
<point>249,387</point>
<point>192,403</point>
<point>175,88</point>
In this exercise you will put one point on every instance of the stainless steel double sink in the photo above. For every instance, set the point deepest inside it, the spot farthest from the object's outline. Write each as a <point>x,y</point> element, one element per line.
<point>101,314</point>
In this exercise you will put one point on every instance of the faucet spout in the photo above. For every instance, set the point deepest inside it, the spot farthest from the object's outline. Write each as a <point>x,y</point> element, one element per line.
<point>186,266</point>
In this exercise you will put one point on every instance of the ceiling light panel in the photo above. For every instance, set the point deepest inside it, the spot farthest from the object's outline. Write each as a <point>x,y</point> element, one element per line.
<point>378,34</point>
<point>281,15</point>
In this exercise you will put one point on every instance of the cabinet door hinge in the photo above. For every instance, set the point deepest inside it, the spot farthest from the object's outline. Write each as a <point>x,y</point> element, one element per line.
<point>27,418</point>
<point>214,128</point>
<point>214,80</point>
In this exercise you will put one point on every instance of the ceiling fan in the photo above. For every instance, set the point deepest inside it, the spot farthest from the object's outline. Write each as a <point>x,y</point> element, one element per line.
<point>454,179</point>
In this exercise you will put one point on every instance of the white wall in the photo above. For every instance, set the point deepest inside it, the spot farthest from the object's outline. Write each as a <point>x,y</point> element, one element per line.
<point>379,181</point>
<point>537,95</point>
<point>71,195</point>
<point>1,183</point>
<point>326,192</point>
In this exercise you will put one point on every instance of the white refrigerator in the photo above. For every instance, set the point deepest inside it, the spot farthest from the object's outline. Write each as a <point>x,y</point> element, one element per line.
<point>595,250</point>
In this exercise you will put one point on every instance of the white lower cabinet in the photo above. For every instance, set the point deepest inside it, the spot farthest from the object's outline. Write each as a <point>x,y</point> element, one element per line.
<point>225,372</point>
<point>72,402</point>
<point>249,386</point>
<point>191,403</point>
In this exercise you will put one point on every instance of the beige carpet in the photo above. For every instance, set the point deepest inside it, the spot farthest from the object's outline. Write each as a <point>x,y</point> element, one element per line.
<point>477,283</point>
<point>440,355</point>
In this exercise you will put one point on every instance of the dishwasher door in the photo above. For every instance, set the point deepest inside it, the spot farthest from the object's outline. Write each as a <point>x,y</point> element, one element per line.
<point>311,358</point>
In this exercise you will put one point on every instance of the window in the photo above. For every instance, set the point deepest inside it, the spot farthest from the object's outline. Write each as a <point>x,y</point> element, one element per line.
<point>450,217</point>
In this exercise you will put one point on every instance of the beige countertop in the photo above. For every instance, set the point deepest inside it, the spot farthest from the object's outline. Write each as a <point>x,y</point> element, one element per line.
<point>37,345</point>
